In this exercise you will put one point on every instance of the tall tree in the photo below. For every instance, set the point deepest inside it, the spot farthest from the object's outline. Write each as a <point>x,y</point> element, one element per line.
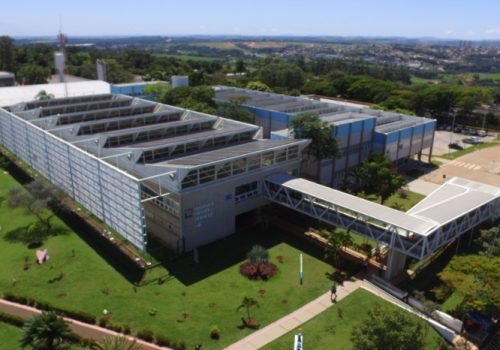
<point>259,86</point>
<point>7,60</point>
<point>389,329</point>
<point>38,196</point>
<point>240,66</point>
<point>336,240</point>
<point>310,126</point>
<point>377,176</point>
<point>30,74</point>
<point>489,241</point>
<point>46,331</point>
<point>234,109</point>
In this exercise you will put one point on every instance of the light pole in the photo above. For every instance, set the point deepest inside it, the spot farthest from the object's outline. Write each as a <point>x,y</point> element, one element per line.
<point>452,130</point>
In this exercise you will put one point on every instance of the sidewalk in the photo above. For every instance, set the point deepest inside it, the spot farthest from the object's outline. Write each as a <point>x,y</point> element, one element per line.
<point>291,321</point>
<point>84,330</point>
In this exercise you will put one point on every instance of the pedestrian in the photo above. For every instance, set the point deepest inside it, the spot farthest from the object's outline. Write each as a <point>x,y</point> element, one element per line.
<point>333,290</point>
<point>197,347</point>
<point>365,265</point>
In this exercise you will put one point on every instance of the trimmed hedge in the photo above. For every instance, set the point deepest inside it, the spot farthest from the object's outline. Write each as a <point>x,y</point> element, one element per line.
<point>45,306</point>
<point>146,335</point>
<point>10,319</point>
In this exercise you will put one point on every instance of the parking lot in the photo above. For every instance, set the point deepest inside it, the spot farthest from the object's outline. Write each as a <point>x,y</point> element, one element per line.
<point>443,138</point>
<point>482,166</point>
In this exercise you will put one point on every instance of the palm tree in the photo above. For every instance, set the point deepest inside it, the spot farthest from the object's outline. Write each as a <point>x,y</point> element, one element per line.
<point>43,95</point>
<point>116,343</point>
<point>46,331</point>
<point>336,240</point>
<point>247,303</point>
<point>258,255</point>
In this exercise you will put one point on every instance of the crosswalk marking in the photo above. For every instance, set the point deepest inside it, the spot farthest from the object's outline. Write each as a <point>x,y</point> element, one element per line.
<point>470,166</point>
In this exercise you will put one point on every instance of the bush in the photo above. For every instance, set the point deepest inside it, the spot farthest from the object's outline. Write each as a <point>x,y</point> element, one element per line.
<point>161,340</point>
<point>115,327</point>
<point>179,345</point>
<point>258,271</point>
<point>103,322</point>
<point>10,319</point>
<point>45,306</point>
<point>146,335</point>
<point>267,271</point>
<point>126,329</point>
<point>215,332</point>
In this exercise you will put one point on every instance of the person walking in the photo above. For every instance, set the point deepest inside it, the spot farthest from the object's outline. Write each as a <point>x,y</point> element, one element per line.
<point>333,291</point>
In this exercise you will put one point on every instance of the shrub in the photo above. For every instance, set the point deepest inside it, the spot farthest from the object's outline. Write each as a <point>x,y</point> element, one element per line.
<point>103,322</point>
<point>249,270</point>
<point>179,345</point>
<point>280,259</point>
<point>45,306</point>
<point>126,329</point>
<point>146,335</point>
<point>10,319</point>
<point>266,271</point>
<point>161,340</point>
<point>215,332</point>
<point>115,327</point>
<point>258,271</point>
<point>402,193</point>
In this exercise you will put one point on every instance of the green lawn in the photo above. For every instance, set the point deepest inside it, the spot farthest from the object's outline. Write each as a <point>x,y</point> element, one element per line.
<point>417,80</point>
<point>213,288</point>
<point>329,331</point>
<point>462,152</point>
<point>10,336</point>
<point>396,202</point>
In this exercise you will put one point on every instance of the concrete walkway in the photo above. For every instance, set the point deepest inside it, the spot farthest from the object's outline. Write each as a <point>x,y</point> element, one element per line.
<point>421,186</point>
<point>291,321</point>
<point>84,330</point>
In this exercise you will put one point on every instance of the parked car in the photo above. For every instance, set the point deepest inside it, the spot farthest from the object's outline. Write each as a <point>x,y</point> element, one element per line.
<point>473,132</point>
<point>457,130</point>
<point>482,133</point>
<point>455,145</point>
<point>473,140</point>
<point>448,128</point>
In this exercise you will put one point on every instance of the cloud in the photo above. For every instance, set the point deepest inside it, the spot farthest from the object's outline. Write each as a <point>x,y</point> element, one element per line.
<point>493,31</point>
<point>448,32</point>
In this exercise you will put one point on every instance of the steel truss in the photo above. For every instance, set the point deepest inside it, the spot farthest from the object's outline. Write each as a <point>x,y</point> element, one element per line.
<point>409,243</point>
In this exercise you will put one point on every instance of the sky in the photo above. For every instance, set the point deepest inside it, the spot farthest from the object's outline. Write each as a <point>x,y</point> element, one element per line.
<point>457,19</point>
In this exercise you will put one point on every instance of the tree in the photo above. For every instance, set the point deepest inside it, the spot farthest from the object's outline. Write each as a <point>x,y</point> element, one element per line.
<point>310,126</point>
<point>336,240</point>
<point>258,255</point>
<point>115,73</point>
<point>284,75</point>
<point>259,86</point>
<point>477,279</point>
<point>156,90</point>
<point>377,176</point>
<point>389,329</point>
<point>240,66</point>
<point>247,303</point>
<point>234,109</point>
<point>7,61</point>
<point>33,74</point>
<point>43,95</point>
<point>490,242</point>
<point>197,98</point>
<point>37,197</point>
<point>116,343</point>
<point>46,331</point>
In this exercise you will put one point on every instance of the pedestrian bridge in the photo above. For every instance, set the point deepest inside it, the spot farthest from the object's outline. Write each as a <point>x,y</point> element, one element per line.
<point>451,210</point>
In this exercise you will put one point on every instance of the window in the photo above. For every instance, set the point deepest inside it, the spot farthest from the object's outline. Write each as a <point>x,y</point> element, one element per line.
<point>246,191</point>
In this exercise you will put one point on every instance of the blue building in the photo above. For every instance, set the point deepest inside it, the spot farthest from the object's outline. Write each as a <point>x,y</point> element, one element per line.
<point>359,131</point>
<point>134,89</point>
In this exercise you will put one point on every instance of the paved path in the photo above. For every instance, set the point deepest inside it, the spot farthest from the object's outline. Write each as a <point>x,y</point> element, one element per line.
<point>84,330</point>
<point>291,321</point>
<point>422,186</point>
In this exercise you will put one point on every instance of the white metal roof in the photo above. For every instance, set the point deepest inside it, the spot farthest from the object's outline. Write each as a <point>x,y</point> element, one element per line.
<point>373,210</point>
<point>16,94</point>
<point>453,199</point>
